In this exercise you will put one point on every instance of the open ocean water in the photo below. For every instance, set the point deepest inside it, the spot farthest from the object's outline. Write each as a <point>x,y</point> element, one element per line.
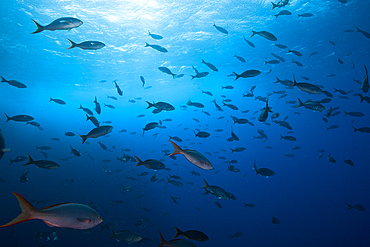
<point>309,186</point>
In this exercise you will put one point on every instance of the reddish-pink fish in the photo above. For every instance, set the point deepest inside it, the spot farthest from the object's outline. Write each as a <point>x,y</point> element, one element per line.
<point>69,215</point>
<point>193,156</point>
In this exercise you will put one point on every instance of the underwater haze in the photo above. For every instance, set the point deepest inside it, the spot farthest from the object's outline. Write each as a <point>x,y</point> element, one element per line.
<point>241,123</point>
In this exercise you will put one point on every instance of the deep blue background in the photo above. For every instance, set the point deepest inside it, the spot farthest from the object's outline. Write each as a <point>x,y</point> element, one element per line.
<point>306,194</point>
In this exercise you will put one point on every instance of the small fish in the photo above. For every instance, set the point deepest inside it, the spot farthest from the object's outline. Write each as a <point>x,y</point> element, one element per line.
<point>13,83</point>
<point>240,58</point>
<point>155,36</point>
<point>249,43</point>
<point>221,29</point>
<point>87,45</point>
<point>97,132</point>
<point>58,101</point>
<point>142,80</point>
<point>156,47</point>
<point>264,34</point>
<point>64,23</point>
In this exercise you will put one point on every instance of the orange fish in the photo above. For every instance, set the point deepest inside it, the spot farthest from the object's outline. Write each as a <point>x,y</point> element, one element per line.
<point>69,215</point>
<point>193,156</point>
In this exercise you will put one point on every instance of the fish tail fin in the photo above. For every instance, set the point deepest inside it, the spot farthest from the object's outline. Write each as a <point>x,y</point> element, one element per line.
<point>87,117</point>
<point>237,76</point>
<point>193,76</point>
<point>3,79</point>
<point>50,99</point>
<point>298,15</point>
<point>149,33</point>
<point>73,44</point>
<point>139,162</point>
<point>232,151</point>
<point>354,129</point>
<point>27,211</point>
<point>112,234</point>
<point>300,103</point>
<point>7,117</point>
<point>177,150</point>
<point>206,185</point>
<point>253,33</point>
<point>30,160</point>
<point>178,232</point>
<point>345,113</point>
<point>39,27</point>
<point>163,241</point>
<point>149,105</point>
<point>174,76</point>
<point>11,162</point>
<point>358,30</point>
<point>273,6</point>
<point>349,206</point>
<point>146,44</point>
<point>84,137</point>
<point>202,62</point>
<point>294,81</point>
<point>80,107</point>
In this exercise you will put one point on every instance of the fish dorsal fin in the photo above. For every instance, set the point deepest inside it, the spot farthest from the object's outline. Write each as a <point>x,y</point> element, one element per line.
<point>83,220</point>
<point>55,205</point>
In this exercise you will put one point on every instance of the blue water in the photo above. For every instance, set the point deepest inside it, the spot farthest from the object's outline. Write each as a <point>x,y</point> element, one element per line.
<point>308,194</point>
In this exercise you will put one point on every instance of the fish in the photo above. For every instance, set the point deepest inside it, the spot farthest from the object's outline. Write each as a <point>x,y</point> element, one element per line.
<point>354,114</point>
<point>75,152</point>
<point>221,29</point>
<point>150,164</point>
<point>45,164</point>
<point>196,104</point>
<point>58,101</point>
<point>201,134</point>
<point>126,236</point>
<point>175,242</point>
<point>154,178</point>
<point>305,15</point>
<point>142,80</point>
<point>288,138</point>
<point>109,106</point>
<point>64,23</point>
<point>331,159</point>
<point>358,207</point>
<point>275,220</point>
<point>313,53</point>
<point>119,91</point>
<point>97,132</point>
<point>211,66</point>
<point>2,147</point>
<point>13,83</point>
<point>111,97</point>
<point>161,106</point>
<point>150,126</point>
<point>264,34</point>
<point>155,36</point>
<point>88,111</point>
<point>231,106</point>
<point>247,74</point>
<point>69,134</point>
<point>362,129</point>
<point>238,149</point>
<point>366,34</point>
<point>265,172</point>
<point>167,71</point>
<point>297,63</point>
<point>365,83</point>
<point>193,156</point>
<point>216,191</point>
<point>97,106</point>
<point>19,118</point>
<point>87,45</point>
<point>156,47</point>
<point>278,57</point>
<point>307,87</point>
<point>281,46</point>
<point>274,61</point>
<point>264,113</point>
<point>236,235</point>
<point>198,74</point>
<point>102,145</point>
<point>240,58</point>
<point>279,4</point>
<point>249,43</point>
<point>315,106</point>
<point>68,215</point>
<point>297,53</point>
<point>283,12</point>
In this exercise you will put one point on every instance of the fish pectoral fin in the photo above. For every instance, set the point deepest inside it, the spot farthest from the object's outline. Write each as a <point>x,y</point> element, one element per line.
<point>51,224</point>
<point>83,220</point>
